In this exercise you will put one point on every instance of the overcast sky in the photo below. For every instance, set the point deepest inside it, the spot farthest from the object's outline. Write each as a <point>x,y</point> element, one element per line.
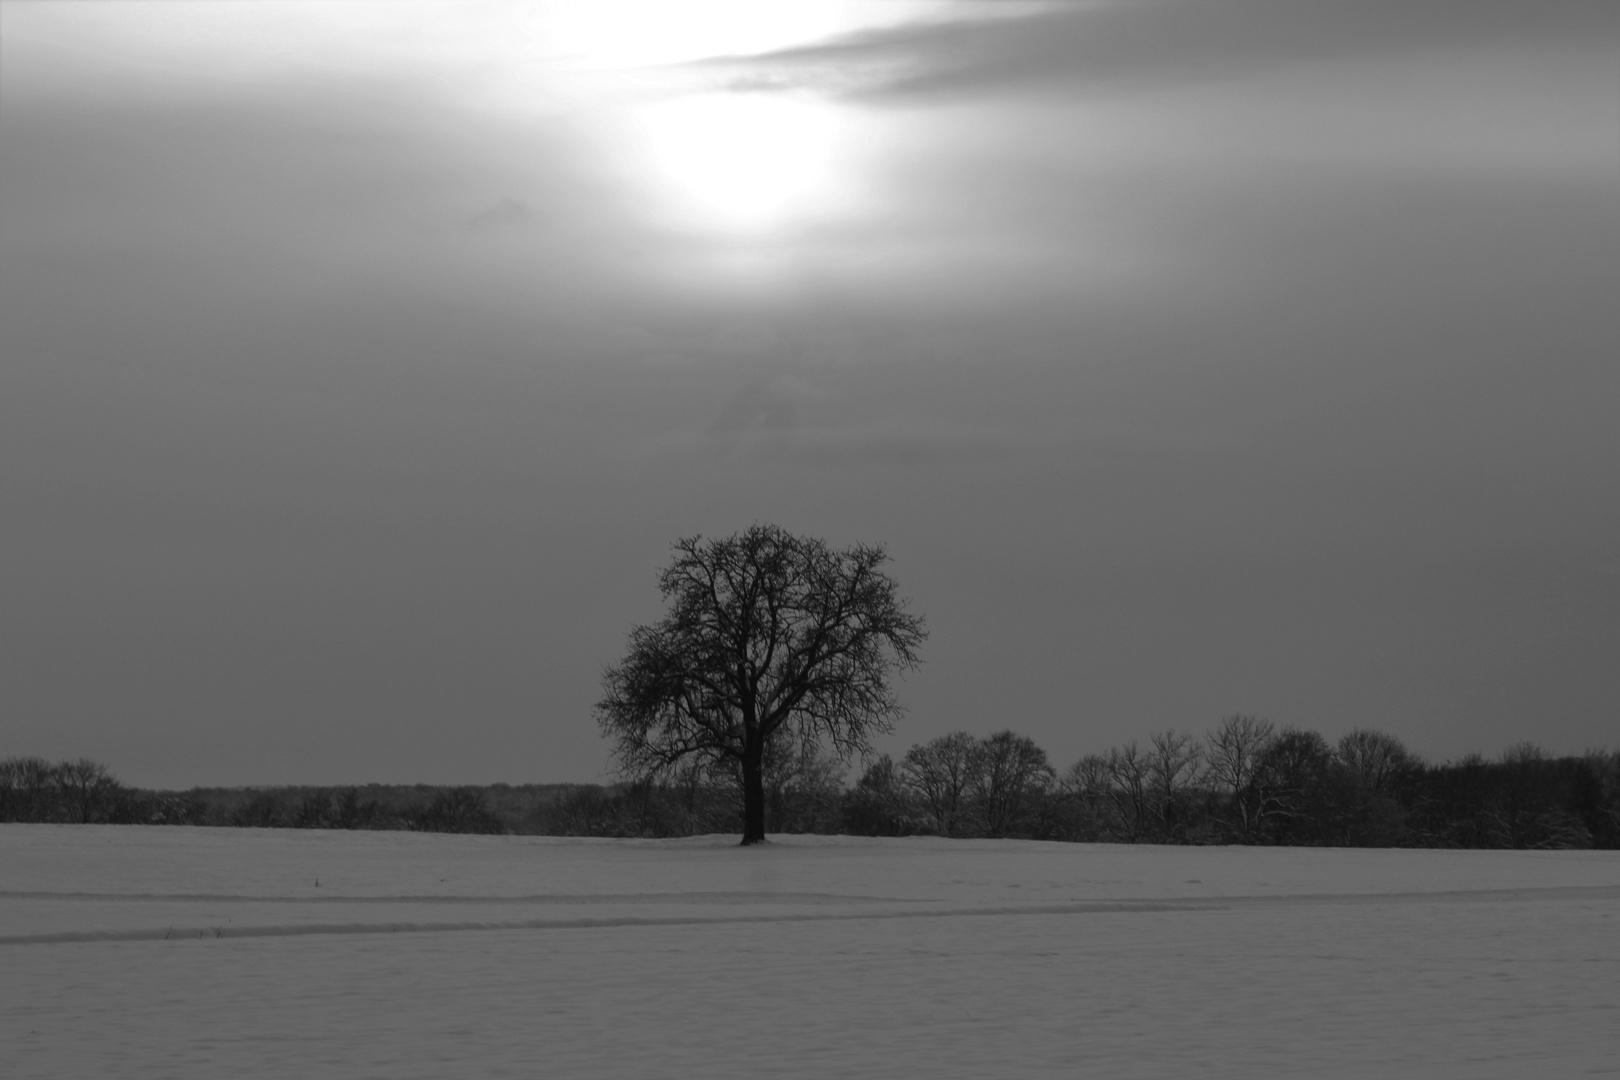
<point>359,365</point>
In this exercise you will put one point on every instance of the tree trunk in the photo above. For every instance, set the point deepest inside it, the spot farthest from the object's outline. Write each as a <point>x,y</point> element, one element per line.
<point>753,769</point>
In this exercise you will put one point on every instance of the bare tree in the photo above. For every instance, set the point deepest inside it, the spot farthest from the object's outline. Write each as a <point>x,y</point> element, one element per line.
<point>1599,790</point>
<point>1521,753</point>
<point>804,785</point>
<point>1291,784</point>
<point>1233,752</point>
<point>878,803</point>
<point>1085,792</point>
<point>1173,762</point>
<point>84,788</point>
<point>1372,757</point>
<point>1129,775</point>
<point>939,772</point>
<point>1008,777</point>
<point>766,631</point>
<point>27,789</point>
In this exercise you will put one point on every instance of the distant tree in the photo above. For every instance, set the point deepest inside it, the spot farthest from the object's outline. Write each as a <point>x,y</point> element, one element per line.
<point>804,785</point>
<point>263,811</point>
<point>705,805</point>
<point>1529,802</point>
<point>939,772</point>
<point>766,632</point>
<point>1595,795</point>
<point>584,810</point>
<point>878,804</point>
<point>314,811</point>
<point>83,787</point>
<point>170,809</point>
<point>1292,785</point>
<point>1371,772</point>
<point>1087,812</point>
<point>459,810</point>
<point>349,812</point>
<point>1173,764</point>
<point>1523,753</point>
<point>1373,757</point>
<point>1232,752</point>
<point>1129,788</point>
<point>28,790</point>
<point>1008,780</point>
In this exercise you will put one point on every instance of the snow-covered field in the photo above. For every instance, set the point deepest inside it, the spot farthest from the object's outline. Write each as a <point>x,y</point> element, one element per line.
<point>173,952</point>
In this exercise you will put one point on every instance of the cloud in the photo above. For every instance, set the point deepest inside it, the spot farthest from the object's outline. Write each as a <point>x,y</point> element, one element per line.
<point>1146,43</point>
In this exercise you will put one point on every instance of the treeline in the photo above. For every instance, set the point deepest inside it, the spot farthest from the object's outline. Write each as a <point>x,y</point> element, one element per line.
<point>1247,782</point>
<point>1243,782</point>
<point>86,792</point>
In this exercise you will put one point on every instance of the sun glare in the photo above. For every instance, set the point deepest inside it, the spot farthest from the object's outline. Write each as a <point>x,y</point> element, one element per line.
<point>703,158</point>
<point>745,162</point>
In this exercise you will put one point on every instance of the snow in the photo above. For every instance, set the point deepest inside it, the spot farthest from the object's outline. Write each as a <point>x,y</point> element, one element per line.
<point>174,952</point>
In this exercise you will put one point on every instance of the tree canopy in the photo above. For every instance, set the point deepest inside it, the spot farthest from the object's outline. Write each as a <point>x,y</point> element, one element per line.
<point>768,636</point>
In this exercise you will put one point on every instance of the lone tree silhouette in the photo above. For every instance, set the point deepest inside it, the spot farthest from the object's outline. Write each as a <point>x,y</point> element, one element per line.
<point>767,634</point>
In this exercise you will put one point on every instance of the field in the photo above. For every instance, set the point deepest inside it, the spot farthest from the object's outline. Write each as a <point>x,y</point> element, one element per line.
<point>180,952</point>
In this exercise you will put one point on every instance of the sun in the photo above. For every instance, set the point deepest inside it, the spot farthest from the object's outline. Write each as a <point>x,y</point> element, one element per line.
<point>699,152</point>
<point>743,162</point>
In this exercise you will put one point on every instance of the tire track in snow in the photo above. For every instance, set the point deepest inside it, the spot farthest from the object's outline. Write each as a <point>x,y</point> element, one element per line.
<point>582,923</point>
<point>533,898</point>
<point>1090,907</point>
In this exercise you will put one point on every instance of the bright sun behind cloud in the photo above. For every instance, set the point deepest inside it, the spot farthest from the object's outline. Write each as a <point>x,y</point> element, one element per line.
<point>702,158</point>
<point>739,162</point>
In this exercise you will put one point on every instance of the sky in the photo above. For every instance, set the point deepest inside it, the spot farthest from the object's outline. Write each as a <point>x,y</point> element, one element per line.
<point>359,365</point>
